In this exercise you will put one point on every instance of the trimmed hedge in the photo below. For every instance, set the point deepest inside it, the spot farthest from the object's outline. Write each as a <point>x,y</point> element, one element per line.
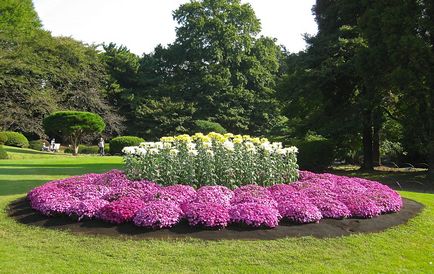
<point>206,127</point>
<point>315,154</point>
<point>118,143</point>
<point>3,138</point>
<point>15,139</point>
<point>3,153</point>
<point>85,149</point>
<point>36,144</point>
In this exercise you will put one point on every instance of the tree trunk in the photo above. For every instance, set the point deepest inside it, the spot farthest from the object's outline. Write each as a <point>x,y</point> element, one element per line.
<point>75,147</point>
<point>376,145</point>
<point>367,142</point>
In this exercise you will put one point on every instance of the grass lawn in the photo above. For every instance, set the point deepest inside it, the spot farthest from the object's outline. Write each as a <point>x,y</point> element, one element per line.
<point>408,248</point>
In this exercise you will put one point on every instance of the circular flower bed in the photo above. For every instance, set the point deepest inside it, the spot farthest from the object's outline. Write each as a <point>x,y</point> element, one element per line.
<point>112,197</point>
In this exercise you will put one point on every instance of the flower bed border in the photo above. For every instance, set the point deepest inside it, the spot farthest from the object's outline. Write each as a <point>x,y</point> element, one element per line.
<point>21,211</point>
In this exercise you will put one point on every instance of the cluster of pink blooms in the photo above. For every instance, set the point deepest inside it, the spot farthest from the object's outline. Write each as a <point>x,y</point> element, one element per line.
<point>112,197</point>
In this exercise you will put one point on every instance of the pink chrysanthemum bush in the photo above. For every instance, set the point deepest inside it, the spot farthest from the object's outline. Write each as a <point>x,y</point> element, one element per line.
<point>158,214</point>
<point>114,198</point>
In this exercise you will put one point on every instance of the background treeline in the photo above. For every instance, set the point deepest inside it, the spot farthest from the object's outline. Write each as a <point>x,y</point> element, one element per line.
<point>361,91</point>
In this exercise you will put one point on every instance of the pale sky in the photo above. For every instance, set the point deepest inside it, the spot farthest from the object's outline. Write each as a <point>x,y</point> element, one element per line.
<point>142,24</point>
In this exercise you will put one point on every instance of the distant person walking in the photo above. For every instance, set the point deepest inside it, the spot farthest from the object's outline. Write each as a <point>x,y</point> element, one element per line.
<point>101,146</point>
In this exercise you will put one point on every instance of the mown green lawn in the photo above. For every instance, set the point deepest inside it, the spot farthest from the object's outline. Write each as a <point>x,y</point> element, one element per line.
<point>405,249</point>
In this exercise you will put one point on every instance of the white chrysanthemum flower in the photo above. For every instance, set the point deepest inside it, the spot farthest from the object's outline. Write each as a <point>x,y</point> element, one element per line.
<point>148,145</point>
<point>173,151</point>
<point>129,150</point>
<point>167,145</point>
<point>159,145</point>
<point>292,149</point>
<point>207,144</point>
<point>154,151</point>
<point>193,152</point>
<point>267,147</point>
<point>251,149</point>
<point>249,145</point>
<point>277,145</point>
<point>228,145</point>
<point>281,151</point>
<point>210,152</point>
<point>140,151</point>
<point>191,146</point>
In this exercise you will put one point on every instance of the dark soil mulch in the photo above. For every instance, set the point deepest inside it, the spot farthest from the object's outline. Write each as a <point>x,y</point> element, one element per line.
<point>21,211</point>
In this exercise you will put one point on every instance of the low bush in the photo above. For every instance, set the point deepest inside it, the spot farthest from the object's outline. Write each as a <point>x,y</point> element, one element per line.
<point>3,153</point>
<point>314,153</point>
<point>208,126</point>
<point>118,143</point>
<point>16,139</point>
<point>36,144</point>
<point>3,138</point>
<point>85,149</point>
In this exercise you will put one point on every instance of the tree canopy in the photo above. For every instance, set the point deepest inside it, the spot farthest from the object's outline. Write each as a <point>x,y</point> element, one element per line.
<point>73,125</point>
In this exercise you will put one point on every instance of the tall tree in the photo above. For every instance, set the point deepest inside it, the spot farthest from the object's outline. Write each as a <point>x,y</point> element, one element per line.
<point>224,69</point>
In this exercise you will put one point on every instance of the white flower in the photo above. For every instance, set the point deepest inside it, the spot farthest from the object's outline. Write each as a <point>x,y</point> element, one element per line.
<point>282,151</point>
<point>251,149</point>
<point>191,146</point>
<point>167,145</point>
<point>249,145</point>
<point>210,152</point>
<point>267,147</point>
<point>158,145</point>
<point>207,144</point>
<point>192,152</point>
<point>228,145</point>
<point>128,150</point>
<point>173,152</point>
<point>148,145</point>
<point>292,149</point>
<point>277,145</point>
<point>154,151</point>
<point>140,151</point>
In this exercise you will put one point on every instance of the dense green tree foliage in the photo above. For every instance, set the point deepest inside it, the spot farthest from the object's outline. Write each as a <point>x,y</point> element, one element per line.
<point>364,84</point>
<point>366,77</point>
<point>40,73</point>
<point>73,126</point>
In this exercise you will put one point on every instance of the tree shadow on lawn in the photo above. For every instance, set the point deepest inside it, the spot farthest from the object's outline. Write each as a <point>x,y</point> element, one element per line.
<point>57,170</point>
<point>8,187</point>
<point>414,181</point>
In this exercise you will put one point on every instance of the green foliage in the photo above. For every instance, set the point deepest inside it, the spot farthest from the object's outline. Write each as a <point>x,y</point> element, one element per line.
<point>3,153</point>
<point>40,73</point>
<point>15,139</point>
<point>314,153</point>
<point>206,127</point>
<point>36,144</point>
<point>118,143</point>
<point>3,138</point>
<point>73,125</point>
<point>86,149</point>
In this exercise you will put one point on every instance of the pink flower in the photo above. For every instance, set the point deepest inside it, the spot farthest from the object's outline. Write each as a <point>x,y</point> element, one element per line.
<point>122,210</point>
<point>158,214</point>
<point>254,214</point>
<point>208,214</point>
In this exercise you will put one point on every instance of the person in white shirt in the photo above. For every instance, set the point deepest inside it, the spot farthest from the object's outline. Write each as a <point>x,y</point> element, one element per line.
<point>101,146</point>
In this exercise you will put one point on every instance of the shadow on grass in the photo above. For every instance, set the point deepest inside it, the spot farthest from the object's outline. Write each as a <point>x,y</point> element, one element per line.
<point>14,180</point>
<point>60,169</point>
<point>18,187</point>
<point>414,181</point>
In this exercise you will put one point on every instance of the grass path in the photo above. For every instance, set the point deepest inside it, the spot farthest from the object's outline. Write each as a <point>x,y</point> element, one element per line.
<point>405,249</point>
